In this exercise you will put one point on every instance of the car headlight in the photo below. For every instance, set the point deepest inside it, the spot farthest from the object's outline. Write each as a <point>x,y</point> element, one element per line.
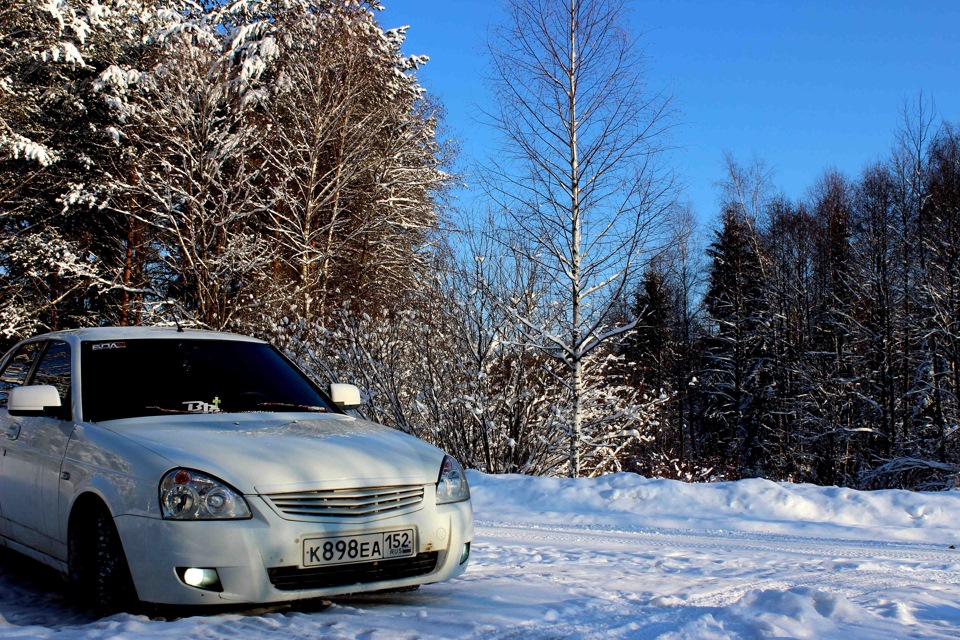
<point>190,495</point>
<point>452,484</point>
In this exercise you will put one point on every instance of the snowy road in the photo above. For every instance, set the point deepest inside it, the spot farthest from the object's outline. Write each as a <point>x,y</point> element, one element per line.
<point>569,573</point>
<point>584,582</point>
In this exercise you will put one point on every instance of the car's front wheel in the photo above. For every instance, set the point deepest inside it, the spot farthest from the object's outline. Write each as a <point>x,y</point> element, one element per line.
<point>98,567</point>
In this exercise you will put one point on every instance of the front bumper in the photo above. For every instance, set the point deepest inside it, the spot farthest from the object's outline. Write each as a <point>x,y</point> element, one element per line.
<point>253,557</point>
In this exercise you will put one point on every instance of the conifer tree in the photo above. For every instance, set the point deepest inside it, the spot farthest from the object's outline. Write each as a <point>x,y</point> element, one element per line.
<point>647,349</point>
<point>736,374</point>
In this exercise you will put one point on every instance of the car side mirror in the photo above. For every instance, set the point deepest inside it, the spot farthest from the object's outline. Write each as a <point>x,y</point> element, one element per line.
<point>35,400</point>
<point>345,396</point>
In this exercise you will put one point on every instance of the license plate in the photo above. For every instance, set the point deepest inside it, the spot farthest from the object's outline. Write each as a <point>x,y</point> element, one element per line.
<point>362,547</point>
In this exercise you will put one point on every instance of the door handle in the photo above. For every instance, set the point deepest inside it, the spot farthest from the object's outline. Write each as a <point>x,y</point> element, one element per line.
<point>13,431</point>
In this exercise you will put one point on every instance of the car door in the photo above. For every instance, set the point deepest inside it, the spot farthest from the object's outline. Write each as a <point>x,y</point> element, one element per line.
<point>14,374</point>
<point>33,453</point>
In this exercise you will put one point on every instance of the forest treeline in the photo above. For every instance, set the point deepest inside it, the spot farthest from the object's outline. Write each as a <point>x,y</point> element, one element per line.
<point>227,165</point>
<point>275,169</point>
<point>825,347</point>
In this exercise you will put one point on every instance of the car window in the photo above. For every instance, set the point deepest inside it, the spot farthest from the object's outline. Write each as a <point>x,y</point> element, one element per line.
<point>130,378</point>
<point>15,373</point>
<point>54,369</point>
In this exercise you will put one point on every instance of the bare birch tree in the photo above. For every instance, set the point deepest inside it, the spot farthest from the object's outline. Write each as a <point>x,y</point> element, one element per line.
<point>579,173</point>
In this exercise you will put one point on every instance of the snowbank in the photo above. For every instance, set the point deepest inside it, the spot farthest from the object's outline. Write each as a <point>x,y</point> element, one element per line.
<point>626,500</point>
<point>618,557</point>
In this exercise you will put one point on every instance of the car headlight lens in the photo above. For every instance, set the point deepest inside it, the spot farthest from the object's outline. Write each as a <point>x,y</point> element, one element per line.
<point>452,484</point>
<point>190,495</point>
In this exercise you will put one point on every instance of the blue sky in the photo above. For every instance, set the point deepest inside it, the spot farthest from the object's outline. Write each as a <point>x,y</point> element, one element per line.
<point>806,86</point>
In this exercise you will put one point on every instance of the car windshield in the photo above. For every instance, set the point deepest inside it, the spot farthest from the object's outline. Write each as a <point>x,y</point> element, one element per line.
<point>131,378</point>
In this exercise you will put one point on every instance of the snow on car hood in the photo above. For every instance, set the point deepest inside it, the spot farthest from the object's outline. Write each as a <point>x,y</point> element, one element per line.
<point>275,453</point>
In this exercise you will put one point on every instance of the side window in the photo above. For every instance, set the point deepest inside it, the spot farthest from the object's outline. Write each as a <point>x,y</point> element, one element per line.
<point>15,373</point>
<point>54,368</point>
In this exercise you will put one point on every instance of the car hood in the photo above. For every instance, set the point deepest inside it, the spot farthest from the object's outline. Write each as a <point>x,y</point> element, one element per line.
<point>277,453</point>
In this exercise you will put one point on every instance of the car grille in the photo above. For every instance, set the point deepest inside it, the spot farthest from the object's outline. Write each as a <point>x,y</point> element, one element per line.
<point>348,503</point>
<point>297,579</point>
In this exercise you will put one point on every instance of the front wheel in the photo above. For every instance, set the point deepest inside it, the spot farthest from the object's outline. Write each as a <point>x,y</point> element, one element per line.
<point>98,567</point>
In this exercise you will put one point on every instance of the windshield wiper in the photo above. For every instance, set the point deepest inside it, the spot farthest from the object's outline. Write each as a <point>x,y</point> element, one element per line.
<point>260,406</point>
<point>265,406</point>
<point>178,411</point>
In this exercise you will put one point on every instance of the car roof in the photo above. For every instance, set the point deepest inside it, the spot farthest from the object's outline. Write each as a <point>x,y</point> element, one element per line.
<point>96,334</point>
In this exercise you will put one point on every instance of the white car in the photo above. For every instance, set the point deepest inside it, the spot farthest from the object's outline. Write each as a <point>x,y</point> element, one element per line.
<point>196,467</point>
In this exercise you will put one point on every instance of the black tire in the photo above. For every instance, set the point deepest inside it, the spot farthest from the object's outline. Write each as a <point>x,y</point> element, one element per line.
<point>99,572</point>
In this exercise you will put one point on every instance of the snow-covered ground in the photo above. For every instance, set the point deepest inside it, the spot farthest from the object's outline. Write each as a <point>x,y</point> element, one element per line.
<point>620,557</point>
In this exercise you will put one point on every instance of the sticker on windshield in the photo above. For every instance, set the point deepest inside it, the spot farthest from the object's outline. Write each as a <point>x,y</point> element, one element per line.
<point>199,406</point>
<point>101,346</point>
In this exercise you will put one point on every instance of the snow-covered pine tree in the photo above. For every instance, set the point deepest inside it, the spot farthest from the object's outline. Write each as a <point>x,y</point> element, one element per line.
<point>647,350</point>
<point>193,191</point>
<point>51,139</point>
<point>649,359</point>
<point>736,377</point>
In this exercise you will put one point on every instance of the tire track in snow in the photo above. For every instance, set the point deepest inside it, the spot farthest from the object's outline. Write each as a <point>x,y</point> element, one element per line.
<point>850,567</point>
<point>729,540</point>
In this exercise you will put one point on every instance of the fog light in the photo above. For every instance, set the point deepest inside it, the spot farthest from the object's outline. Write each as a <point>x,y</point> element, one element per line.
<point>466,553</point>
<point>200,578</point>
